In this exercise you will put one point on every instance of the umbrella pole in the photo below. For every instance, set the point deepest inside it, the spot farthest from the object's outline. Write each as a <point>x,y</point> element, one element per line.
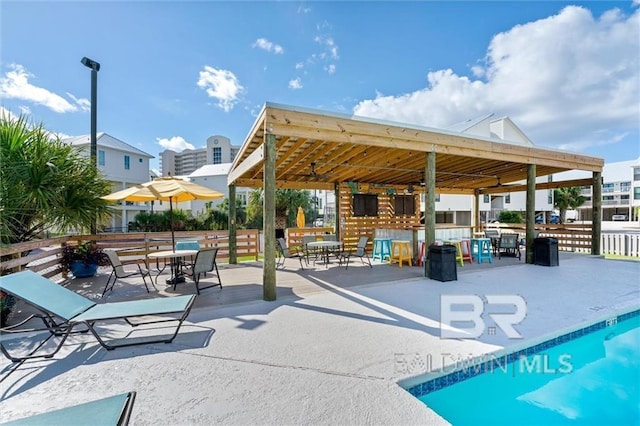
<point>173,237</point>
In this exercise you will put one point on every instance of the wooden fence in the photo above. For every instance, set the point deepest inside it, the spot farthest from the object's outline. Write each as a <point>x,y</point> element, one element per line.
<point>43,256</point>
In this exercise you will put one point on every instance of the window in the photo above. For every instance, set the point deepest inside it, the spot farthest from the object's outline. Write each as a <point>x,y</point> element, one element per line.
<point>100,157</point>
<point>127,162</point>
<point>625,186</point>
<point>365,205</point>
<point>636,173</point>
<point>242,198</point>
<point>607,187</point>
<point>486,199</point>
<point>404,205</point>
<point>507,199</point>
<point>437,198</point>
<point>140,160</point>
<point>550,196</point>
<point>636,193</point>
<point>217,155</point>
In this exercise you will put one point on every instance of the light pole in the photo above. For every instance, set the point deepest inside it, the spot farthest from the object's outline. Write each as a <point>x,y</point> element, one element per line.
<point>95,67</point>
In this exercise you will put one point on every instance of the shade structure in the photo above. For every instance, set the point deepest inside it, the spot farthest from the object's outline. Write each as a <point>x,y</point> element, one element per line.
<point>169,189</point>
<point>300,220</point>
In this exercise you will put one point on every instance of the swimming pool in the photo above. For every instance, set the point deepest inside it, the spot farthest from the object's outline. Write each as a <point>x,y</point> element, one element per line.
<point>588,376</point>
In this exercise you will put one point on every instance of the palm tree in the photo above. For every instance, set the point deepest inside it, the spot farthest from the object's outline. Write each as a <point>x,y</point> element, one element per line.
<point>287,203</point>
<point>45,184</point>
<point>567,198</point>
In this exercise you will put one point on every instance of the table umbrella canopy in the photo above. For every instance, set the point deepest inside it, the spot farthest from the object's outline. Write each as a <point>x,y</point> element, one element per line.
<point>169,189</point>
<point>300,220</point>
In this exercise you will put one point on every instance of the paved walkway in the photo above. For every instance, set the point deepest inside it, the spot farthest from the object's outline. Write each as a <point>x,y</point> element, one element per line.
<point>327,352</point>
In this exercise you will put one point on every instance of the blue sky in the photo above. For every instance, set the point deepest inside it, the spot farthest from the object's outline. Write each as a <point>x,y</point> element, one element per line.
<point>174,73</point>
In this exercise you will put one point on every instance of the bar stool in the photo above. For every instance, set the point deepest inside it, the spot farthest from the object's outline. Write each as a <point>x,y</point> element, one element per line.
<point>422,257</point>
<point>465,243</point>
<point>381,249</point>
<point>400,252</point>
<point>481,249</point>
<point>458,247</point>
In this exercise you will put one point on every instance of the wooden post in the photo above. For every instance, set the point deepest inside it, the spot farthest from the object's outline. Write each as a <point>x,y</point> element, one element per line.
<point>429,205</point>
<point>233,228</point>
<point>269,218</point>
<point>531,211</point>
<point>596,226</point>
<point>476,211</point>
<point>336,195</point>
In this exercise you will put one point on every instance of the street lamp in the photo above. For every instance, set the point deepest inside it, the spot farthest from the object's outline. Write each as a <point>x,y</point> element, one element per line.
<point>95,67</point>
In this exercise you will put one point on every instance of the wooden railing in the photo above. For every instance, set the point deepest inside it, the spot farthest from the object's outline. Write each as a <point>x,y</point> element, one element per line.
<point>571,237</point>
<point>130,246</point>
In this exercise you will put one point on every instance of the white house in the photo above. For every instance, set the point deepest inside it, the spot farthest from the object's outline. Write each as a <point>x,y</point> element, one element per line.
<point>214,176</point>
<point>122,164</point>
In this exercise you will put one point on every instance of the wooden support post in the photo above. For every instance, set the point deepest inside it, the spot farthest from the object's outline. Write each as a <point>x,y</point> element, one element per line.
<point>596,226</point>
<point>429,205</point>
<point>269,218</point>
<point>233,228</point>
<point>476,211</point>
<point>336,194</point>
<point>531,211</point>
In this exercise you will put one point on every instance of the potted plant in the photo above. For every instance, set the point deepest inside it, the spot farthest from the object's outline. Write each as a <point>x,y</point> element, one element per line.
<point>82,260</point>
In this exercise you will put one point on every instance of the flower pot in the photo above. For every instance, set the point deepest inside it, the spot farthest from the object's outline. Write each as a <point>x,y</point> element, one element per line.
<point>83,270</point>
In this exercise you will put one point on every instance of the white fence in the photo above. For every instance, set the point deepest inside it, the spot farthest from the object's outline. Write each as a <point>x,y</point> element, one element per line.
<point>621,244</point>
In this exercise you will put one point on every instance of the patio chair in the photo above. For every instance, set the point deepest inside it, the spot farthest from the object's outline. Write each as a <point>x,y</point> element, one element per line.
<point>509,245</point>
<point>61,310</point>
<point>205,262</point>
<point>283,253</point>
<point>494,235</point>
<point>118,271</point>
<point>361,252</point>
<point>114,410</point>
<point>306,239</point>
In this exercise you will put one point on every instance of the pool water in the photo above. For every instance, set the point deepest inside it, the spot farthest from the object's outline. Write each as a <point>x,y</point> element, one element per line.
<point>593,379</point>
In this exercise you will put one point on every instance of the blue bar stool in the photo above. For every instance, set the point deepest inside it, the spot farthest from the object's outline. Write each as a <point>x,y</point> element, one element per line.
<point>481,249</point>
<point>381,249</point>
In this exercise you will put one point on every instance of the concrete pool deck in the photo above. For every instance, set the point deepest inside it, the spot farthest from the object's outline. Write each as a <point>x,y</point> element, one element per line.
<point>333,355</point>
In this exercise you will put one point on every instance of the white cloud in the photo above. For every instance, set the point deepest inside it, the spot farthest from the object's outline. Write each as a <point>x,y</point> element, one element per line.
<point>562,79</point>
<point>222,85</point>
<point>331,68</point>
<point>24,110</point>
<point>295,84</point>
<point>5,113</point>
<point>264,44</point>
<point>15,85</point>
<point>175,143</point>
<point>300,65</point>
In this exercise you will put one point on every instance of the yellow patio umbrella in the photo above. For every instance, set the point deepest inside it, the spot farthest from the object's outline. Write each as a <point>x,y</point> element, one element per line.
<point>169,189</point>
<point>300,221</point>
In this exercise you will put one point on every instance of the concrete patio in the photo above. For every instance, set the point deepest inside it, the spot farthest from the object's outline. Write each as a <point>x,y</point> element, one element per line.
<point>330,350</point>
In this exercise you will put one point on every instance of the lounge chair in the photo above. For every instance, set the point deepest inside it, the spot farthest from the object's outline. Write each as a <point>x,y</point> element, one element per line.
<point>494,236</point>
<point>205,262</point>
<point>118,271</point>
<point>306,239</point>
<point>361,252</point>
<point>509,245</point>
<point>114,410</point>
<point>283,253</point>
<point>61,310</point>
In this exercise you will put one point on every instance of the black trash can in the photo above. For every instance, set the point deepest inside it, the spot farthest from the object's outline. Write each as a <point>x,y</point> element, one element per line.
<point>545,252</point>
<point>442,263</point>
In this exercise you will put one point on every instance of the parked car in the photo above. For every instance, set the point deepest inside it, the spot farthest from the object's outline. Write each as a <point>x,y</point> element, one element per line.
<point>554,219</point>
<point>619,217</point>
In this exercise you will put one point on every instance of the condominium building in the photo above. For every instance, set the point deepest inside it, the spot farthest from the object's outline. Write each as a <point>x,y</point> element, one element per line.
<point>124,166</point>
<point>217,151</point>
<point>620,191</point>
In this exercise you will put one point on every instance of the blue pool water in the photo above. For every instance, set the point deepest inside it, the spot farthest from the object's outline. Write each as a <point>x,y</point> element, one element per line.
<point>593,379</point>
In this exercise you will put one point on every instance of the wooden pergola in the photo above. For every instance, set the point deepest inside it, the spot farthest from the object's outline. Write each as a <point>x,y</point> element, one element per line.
<point>298,148</point>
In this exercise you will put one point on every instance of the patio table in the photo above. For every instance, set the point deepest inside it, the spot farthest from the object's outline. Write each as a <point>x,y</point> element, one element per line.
<point>174,257</point>
<point>325,247</point>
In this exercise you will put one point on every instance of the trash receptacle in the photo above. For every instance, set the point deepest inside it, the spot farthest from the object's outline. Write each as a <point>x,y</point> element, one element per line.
<point>442,263</point>
<point>545,251</point>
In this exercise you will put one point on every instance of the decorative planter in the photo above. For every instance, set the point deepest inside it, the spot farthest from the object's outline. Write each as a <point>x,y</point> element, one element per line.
<point>81,270</point>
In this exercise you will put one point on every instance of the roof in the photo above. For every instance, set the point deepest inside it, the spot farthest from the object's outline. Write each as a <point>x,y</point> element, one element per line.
<point>107,141</point>
<point>212,170</point>
<point>318,149</point>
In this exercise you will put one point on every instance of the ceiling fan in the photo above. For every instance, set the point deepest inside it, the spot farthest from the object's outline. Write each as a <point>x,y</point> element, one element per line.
<point>314,174</point>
